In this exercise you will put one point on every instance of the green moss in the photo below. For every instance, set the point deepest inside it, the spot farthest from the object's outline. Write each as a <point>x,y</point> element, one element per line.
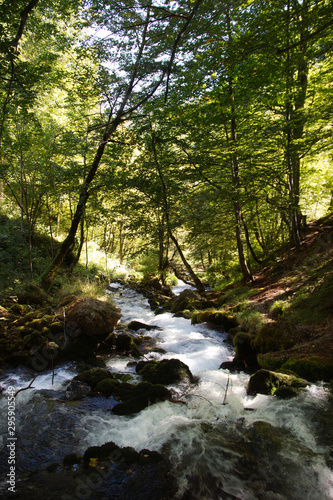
<point>273,337</point>
<point>56,327</point>
<point>17,309</point>
<point>35,339</point>
<point>215,317</point>
<point>94,376</point>
<point>267,382</point>
<point>250,320</point>
<point>269,363</point>
<point>37,324</point>
<point>24,330</point>
<point>312,367</point>
<point>107,386</point>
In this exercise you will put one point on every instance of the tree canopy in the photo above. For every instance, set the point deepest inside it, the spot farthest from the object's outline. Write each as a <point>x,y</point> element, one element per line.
<point>194,132</point>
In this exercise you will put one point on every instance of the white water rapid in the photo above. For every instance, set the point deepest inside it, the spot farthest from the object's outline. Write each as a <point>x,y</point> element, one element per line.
<point>222,443</point>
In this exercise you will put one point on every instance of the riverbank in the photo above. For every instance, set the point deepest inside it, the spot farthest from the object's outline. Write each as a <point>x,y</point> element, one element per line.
<point>202,436</point>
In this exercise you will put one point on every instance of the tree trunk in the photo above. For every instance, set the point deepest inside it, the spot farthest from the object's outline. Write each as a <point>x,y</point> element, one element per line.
<point>295,123</point>
<point>68,243</point>
<point>199,286</point>
<point>235,168</point>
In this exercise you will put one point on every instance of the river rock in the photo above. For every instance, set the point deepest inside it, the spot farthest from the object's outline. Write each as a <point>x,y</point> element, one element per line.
<point>186,300</point>
<point>93,376</point>
<point>92,317</point>
<point>137,397</point>
<point>137,325</point>
<point>77,390</point>
<point>268,382</point>
<point>167,371</point>
<point>227,321</point>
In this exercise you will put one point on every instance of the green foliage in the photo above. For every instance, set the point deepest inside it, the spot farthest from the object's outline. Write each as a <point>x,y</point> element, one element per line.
<point>250,320</point>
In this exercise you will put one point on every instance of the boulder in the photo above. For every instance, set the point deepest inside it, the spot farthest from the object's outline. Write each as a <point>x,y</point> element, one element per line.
<point>274,337</point>
<point>137,325</point>
<point>268,382</point>
<point>93,376</point>
<point>227,321</point>
<point>77,390</point>
<point>136,398</point>
<point>186,300</point>
<point>311,367</point>
<point>167,371</point>
<point>245,354</point>
<point>92,317</point>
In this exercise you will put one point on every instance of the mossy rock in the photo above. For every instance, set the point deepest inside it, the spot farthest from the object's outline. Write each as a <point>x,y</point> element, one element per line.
<point>107,387</point>
<point>24,330</point>
<point>143,395</point>
<point>245,355</point>
<point>56,327</point>
<point>94,376</point>
<point>33,295</point>
<point>286,392</point>
<point>227,321</point>
<point>311,368</point>
<point>266,438</point>
<point>269,362</point>
<point>125,344</point>
<point>34,339</point>
<point>124,377</point>
<point>107,450</point>
<point>167,371</point>
<point>274,337</point>
<point>17,309</point>
<point>267,382</point>
<point>186,300</point>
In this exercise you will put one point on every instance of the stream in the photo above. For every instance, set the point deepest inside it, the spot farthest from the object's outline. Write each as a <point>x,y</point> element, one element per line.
<point>222,444</point>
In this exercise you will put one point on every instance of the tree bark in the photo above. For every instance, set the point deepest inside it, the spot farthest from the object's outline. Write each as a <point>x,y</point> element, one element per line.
<point>199,286</point>
<point>68,243</point>
<point>246,273</point>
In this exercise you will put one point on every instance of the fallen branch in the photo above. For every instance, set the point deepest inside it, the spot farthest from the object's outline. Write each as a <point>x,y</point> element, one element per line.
<point>25,388</point>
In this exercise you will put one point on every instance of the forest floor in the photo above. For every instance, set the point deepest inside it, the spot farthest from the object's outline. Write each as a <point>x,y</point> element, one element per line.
<point>297,291</point>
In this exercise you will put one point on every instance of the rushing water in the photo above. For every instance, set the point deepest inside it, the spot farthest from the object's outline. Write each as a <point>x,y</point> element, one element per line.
<point>222,443</point>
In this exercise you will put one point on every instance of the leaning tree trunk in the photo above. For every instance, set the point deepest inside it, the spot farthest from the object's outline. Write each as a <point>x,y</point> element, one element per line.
<point>198,284</point>
<point>68,243</point>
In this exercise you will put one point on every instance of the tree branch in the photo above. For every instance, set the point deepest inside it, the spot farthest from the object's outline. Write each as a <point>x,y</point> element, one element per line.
<point>24,16</point>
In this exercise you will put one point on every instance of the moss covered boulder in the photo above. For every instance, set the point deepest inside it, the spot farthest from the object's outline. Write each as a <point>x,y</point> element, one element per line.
<point>227,321</point>
<point>94,376</point>
<point>311,367</point>
<point>125,344</point>
<point>274,337</point>
<point>91,317</point>
<point>268,382</point>
<point>167,371</point>
<point>186,300</point>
